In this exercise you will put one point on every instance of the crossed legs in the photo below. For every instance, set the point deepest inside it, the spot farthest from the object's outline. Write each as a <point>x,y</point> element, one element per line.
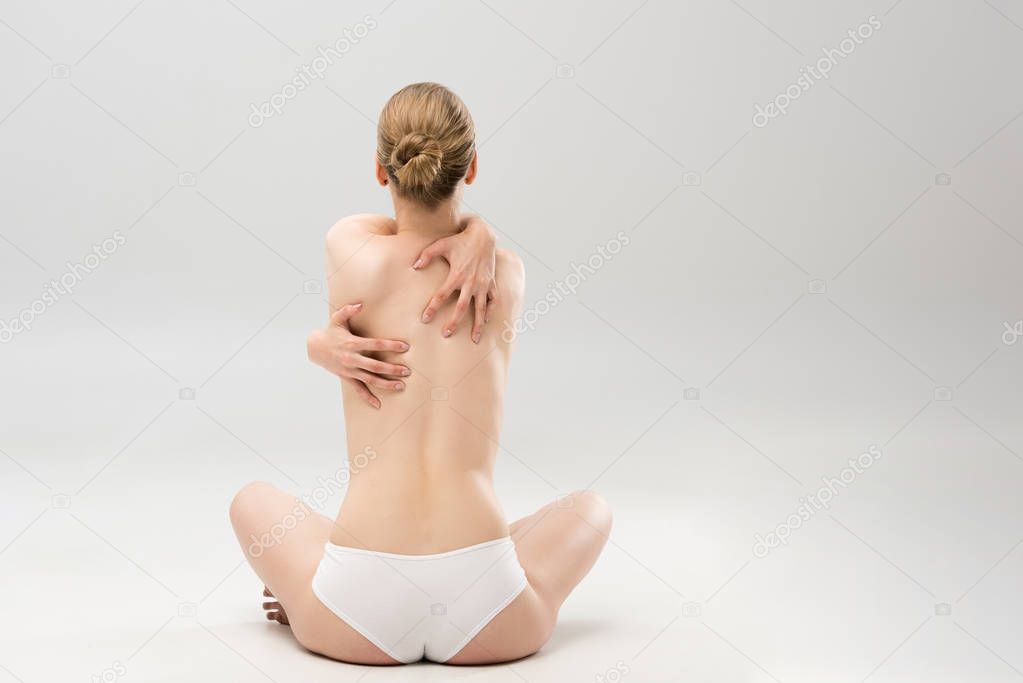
<point>556,546</point>
<point>286,565</point>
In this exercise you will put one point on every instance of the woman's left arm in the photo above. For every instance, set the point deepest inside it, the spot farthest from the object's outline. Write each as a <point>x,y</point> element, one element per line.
<point>471,255</point>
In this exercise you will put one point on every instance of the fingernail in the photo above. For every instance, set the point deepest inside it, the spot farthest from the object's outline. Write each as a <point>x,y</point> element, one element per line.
<point>417,264</point>
<point>406,372</point>
<point>426,317</point>
<point>476,338</point>
<point>447,332</point>
<point>404,346</point>
<point>398,386</point>
<point>357,306</point>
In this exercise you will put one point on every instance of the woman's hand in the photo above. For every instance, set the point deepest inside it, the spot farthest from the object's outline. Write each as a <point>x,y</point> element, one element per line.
<point>338,350</point>
<point>471,255</point>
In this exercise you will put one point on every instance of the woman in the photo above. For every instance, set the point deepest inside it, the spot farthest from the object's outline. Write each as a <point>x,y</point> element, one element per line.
<point>420,561</point>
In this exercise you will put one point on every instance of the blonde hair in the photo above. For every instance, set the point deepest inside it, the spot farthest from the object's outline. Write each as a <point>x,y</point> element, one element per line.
<point>426,141</point>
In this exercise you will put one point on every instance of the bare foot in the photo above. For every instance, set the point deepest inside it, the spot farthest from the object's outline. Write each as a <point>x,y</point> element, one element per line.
<point>274,610</point>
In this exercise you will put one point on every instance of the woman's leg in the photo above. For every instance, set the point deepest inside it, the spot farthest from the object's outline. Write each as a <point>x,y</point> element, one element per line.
<point>557,546</point>
<point>283,541</point>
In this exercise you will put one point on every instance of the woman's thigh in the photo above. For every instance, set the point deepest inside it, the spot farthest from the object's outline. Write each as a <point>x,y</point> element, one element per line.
<point>556,546</point>
<point>283,540</point>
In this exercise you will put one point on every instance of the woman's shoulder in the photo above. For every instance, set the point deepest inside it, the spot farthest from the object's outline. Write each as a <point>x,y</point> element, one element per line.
<point>350,234</point>
<point>361,225</point>
<point>511,274</point>
<point>511,262</point>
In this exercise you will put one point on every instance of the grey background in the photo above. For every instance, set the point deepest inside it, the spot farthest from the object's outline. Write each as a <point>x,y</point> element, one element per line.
<point>895,182</point>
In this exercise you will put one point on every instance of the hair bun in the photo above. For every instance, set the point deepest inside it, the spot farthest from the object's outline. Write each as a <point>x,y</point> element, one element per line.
<point>416,160</point>
<point>426,141</point>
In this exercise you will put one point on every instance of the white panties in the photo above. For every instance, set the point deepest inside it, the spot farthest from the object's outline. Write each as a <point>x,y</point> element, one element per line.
<point>419,606</point>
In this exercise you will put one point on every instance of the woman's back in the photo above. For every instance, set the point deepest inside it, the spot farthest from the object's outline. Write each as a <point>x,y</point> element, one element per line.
<point>421,465</point>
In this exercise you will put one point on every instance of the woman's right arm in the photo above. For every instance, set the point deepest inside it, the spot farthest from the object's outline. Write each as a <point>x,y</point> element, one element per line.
<point>336,349</point>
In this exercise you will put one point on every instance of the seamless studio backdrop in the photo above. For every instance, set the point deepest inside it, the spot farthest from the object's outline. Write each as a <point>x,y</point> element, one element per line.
<point>773,315</point>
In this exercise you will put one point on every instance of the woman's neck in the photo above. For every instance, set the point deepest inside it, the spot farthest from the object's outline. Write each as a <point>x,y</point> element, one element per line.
<point>438,221</point>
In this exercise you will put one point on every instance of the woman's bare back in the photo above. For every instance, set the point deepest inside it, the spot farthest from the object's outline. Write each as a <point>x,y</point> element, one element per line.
<point>421,465</point>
